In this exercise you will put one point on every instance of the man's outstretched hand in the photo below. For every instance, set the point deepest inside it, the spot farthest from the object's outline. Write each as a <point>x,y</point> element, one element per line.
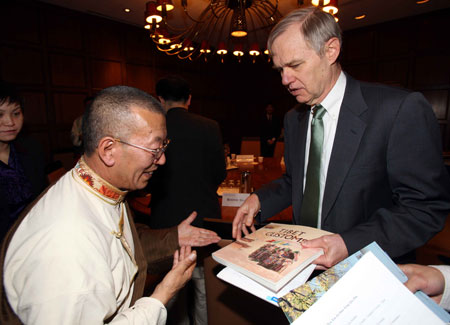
<point>193,236</point>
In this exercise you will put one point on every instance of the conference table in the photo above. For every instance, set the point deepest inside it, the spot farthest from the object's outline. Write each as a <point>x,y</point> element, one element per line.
<point>261,174</point>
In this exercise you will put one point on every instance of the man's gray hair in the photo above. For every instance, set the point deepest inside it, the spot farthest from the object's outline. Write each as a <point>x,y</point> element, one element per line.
<point>316,26</point>
<point>110,114</point>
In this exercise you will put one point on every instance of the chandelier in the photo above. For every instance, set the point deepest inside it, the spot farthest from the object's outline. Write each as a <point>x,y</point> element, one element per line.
<point>222,28</point>
<point>330,6</point>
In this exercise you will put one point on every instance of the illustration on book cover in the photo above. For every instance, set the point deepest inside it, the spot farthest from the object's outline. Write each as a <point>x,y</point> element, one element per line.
<point>273,257</point>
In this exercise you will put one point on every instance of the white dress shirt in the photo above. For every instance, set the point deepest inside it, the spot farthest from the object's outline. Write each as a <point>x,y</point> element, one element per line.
<point>332,103</point>
<point>445,301</point>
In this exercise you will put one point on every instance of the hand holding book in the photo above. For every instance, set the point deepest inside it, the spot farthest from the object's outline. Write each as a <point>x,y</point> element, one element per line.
<point>334,250</point>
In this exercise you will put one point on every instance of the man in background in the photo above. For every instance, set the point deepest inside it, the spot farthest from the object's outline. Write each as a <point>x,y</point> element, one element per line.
<point>270,131</point>
<point>188,182</point>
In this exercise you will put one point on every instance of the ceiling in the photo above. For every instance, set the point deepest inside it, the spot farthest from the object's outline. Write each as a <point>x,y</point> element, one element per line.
<point>376,11</point>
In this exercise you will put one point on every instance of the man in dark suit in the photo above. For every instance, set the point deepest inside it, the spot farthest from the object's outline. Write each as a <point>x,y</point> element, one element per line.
<point>188,182</point>
<point>270,131</point>
<point>380,170</point>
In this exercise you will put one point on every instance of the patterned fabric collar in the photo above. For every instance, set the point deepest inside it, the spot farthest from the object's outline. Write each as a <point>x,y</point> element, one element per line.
<point>98,184</point>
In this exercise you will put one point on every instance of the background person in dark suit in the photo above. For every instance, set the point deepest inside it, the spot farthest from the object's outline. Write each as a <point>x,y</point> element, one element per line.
<point>382,176</point>
<point>270,131</point>
<point>189,180</point>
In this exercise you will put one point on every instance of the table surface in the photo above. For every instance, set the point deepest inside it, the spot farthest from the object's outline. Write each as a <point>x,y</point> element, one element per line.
<point>261,174</point>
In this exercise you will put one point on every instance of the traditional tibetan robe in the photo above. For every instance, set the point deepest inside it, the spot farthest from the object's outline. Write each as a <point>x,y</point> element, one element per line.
<point>73,257</point>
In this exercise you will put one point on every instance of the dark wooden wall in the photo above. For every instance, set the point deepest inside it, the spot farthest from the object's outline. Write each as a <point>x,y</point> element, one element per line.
<point>413,53</point>
<point>57,57</point>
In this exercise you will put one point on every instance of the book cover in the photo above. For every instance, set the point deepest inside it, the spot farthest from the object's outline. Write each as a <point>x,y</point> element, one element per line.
<point>297,301</point>
<point>272,255</point>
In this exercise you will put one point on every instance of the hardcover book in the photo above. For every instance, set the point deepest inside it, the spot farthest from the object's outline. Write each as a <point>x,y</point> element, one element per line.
<point>272,255</point>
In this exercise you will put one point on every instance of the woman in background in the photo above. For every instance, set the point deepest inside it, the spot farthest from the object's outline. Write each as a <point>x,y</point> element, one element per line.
<point>22,169</point>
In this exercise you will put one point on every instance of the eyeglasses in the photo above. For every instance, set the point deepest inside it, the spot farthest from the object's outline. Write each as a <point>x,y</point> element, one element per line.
<point>157,153</point>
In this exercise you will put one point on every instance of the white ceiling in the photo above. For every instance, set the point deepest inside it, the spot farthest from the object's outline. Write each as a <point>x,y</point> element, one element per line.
<point>376,11</point>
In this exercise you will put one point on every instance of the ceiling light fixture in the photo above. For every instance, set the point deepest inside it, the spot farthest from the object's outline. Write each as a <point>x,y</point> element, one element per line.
<point>330,6</point>
<point>235,25</point>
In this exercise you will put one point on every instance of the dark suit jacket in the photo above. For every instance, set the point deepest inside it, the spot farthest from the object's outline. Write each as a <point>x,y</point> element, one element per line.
<point>269,129</point>
<point>194,168</point>
<point>386,179</point>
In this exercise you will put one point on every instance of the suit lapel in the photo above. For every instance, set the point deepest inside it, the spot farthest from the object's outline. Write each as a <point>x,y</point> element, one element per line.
<point>349,132</point>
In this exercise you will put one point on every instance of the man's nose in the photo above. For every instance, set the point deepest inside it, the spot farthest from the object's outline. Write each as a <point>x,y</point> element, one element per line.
<point>161,160</point>
<point>286,77</point>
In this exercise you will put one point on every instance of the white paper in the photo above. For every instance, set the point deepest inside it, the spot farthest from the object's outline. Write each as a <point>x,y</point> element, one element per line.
<point>368,294</point>
<point>245,158</point>
<point>234,199</point>
<point>245,283</point>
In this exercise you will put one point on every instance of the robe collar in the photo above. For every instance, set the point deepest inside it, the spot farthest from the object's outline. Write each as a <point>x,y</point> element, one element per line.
<point>98,184</point>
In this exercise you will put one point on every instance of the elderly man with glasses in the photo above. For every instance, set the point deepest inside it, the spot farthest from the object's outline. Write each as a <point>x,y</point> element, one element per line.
<point>75,256</point>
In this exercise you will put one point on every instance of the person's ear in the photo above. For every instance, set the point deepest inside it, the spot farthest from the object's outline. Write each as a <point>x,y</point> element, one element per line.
<point>332,49</point>
<point>107,151</point>
<point>188,102</point>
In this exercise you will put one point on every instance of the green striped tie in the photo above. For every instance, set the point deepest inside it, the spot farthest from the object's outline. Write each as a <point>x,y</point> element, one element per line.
<point>310,205</point>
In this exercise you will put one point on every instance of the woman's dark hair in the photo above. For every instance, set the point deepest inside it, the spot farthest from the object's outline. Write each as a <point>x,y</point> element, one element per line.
<point>9,94</point>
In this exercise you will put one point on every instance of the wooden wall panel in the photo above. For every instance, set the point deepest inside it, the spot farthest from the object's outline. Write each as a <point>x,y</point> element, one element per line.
<point>19,24</point>
<point>359,45</point>
<point>104,39</point>
<point>362,71</point>
<point>105,74</point>
<point>430,33</point>
<point>67,70</point>
<point>35,107</point>
<point>439,101</point>
<point>394,39</point>
<point>137,46</point>
<point>430,70</point>
<point>63,30</point>
<point>142,77</point>
<point>21,65</point>
<point>68,106</point>
<point>393,72</point>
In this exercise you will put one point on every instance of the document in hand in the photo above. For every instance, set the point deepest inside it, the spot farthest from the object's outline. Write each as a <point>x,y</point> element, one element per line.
<point>272,255</point>
<point>361,289</point>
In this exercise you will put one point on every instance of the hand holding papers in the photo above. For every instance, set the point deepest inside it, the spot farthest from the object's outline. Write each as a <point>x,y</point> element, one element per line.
<point>369,294</point>
<point>366,291</point>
